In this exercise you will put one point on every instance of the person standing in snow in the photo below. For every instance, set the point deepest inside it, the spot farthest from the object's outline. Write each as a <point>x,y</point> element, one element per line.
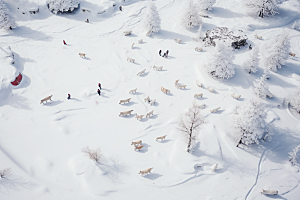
<point>87,21</point>
<point>99,85</point>
<point>69,96</point>
<point>120,8</point>
<point>167,53</point>
<point>64,42</point>
<point>250,47</point>
<point>159,52</point>
<point>99,92</point>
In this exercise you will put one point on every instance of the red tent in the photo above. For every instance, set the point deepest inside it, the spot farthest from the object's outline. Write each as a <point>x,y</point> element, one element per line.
<point>18,80</point>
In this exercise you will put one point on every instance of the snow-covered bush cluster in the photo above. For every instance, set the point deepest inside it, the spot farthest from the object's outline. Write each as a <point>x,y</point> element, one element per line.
<point>294,100</point>
<point>295,156</point>
<point>251,63</point>
<point>56,6</point>
<point>276,52</point>
<point>248,121</point>
<point>219,62</point>
<point>205,4</point>
<point>6,20</point>
<point>261,8</point>
<point>223,34</point>
<point>260,88</point>
<point>152,20</point>
<point>189,15</point>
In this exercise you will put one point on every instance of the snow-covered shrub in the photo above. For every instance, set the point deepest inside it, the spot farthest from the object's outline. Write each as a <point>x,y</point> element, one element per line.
<point>152,19</point>
<point>223,34</point>
<point>6,20</point>
<point>249,122</point>
<point>189,15</point>
<point>261,8</point>
<point>205,4</point>
<point>294,100</point>
<point>296,25</point>
<point>295,156</point>
<point>276,51</point>
<point>251,64</point>
<point>93,154</point>
<point>260,88</point>
<point>56,6</point>
<point>219,62</point>
<point>189,124</point>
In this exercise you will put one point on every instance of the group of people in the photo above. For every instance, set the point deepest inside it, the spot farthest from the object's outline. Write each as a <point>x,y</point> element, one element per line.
<point>98,91</point>
<point>166,54</point>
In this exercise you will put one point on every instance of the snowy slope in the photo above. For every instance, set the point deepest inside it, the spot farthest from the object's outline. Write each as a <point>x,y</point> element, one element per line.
<point>42,143</point>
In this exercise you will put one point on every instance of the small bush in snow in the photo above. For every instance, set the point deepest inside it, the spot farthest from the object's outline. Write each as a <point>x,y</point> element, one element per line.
<point>189,124</point>
<point>93,154</point>
<point>56,6</point>
<point>152,19</point>
<point>189,16</point>
<point>296,25</point>
<point>6,20</point>
<point>295,101</point>
<point>261,8</point>
<point>295,156</point>
<point>5,172</point>
<point>248,122</point>
<point>276,52</point>
<point>205,4</point>
<point>260,88</point>
<point>251,64</point>
<point>219,61</point>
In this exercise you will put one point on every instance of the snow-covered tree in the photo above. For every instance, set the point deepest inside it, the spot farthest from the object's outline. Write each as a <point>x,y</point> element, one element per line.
<point>219,62</point>
<point>248,122</point>
<point>294,100</point>
<point>276,52</point>
<point>200,35</point>
<point>62,5</point>
<point>261,8</point>
<point>6,20</point>
<point>261,89</point>
<point>251,64</point>
<point>152,19</point>
<point>205,4</point>
<point>189,15</point>
<point>189,124</point>
<point>295,156</point>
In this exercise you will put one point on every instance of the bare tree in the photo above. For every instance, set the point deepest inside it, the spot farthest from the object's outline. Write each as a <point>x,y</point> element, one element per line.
<point>189,124</point>
<point>5,172</point>
<point>94,154</point>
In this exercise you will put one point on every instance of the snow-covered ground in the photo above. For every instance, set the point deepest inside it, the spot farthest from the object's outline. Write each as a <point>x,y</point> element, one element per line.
<point>42,143</point>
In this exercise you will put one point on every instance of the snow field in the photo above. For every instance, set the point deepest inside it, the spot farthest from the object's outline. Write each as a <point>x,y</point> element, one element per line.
<point>42,143</point>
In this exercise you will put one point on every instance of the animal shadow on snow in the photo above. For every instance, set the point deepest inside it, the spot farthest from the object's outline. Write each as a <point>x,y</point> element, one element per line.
<point>144,149</point>
<point>53,103</point>
<point>136,48</point>
<point>128,116</point>
<point>145,74</point>
<point>218,112</point>
<point>274,196</point>
<point>128,104</point>
<point>156,104</point>
<point>164,141</point>
<point>131,35</point>
<point>201,98</point>
<point>137,93</point>
<point>152,176</point>
<point>86,58</point>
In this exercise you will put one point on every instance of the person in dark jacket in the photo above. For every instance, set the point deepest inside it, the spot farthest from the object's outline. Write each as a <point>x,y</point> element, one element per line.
<point>250,47</point>
<point>99,85</point>
<point>99,92</point>
<point>167,53</point>
<point>64,42</point>
<point>159,52</point>
<point>120,8</point>
<point>69,96</point>
<point>87,21</point>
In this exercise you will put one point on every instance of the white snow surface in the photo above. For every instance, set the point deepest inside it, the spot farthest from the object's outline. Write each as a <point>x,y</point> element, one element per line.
<point>42,143</point>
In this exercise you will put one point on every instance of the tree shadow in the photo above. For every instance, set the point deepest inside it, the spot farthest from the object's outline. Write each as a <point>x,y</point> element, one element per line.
<point>19,102</point>
<point>168,35</point>
<point>225,13</point>
<point>113,168</point>
<point>14,182</point>
<point>26,32</point>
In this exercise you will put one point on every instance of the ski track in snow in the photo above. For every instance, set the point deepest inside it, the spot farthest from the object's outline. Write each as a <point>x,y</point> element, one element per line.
<point>257,175</point>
